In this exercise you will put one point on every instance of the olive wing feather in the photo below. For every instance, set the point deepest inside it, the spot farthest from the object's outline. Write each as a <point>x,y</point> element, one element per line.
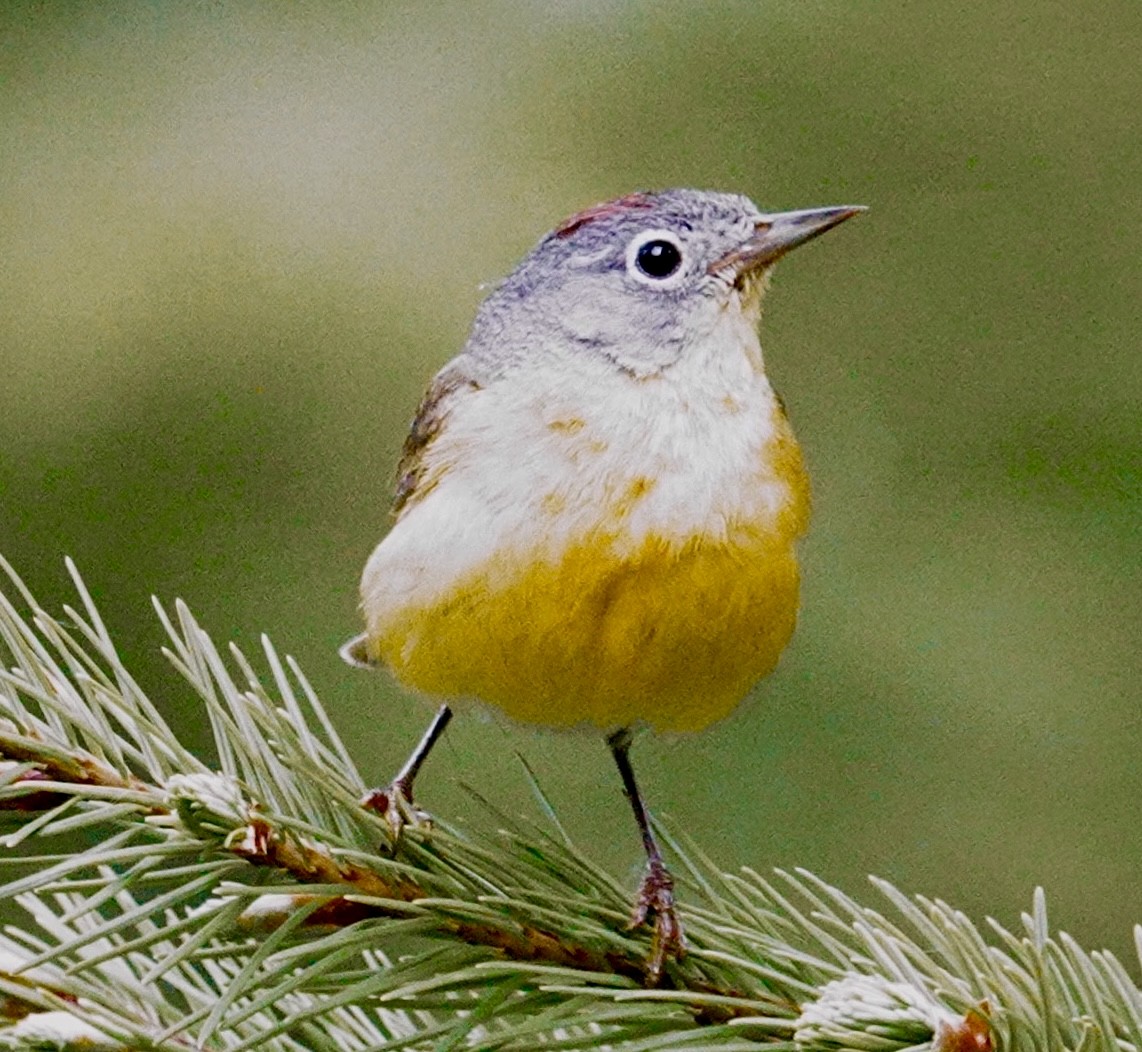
<point>413,481</point>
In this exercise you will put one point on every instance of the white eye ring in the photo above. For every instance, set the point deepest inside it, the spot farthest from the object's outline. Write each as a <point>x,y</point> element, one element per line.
<point>643,254</point>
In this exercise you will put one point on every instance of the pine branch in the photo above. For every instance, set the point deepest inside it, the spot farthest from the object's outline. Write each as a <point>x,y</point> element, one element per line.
<point>258,905</point>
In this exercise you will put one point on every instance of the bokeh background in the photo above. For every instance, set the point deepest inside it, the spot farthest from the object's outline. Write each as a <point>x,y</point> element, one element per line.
<point>236,240</point>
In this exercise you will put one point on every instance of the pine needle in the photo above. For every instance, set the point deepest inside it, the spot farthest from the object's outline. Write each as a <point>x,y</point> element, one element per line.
<point>248,907</point>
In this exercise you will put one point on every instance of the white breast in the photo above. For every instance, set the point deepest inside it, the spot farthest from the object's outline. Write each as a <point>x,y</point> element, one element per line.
<point>545,455</point>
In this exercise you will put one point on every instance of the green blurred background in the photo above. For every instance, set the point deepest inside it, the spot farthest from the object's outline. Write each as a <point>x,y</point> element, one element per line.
<point>235,242</point>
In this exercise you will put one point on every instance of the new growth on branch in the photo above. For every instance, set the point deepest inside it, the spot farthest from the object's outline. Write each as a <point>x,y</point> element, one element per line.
<point>166,904</point>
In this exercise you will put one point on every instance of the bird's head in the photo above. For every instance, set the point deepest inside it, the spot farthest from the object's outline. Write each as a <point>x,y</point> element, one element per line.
<point>640,279</point>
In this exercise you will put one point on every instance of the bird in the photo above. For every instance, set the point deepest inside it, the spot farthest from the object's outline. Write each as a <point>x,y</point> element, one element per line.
<point>598,503</point>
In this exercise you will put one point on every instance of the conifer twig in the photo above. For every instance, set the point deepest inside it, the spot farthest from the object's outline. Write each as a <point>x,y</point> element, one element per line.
<point>258,905</point>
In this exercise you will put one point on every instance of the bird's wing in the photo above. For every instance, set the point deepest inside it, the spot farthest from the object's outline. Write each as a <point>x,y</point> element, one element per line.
<point>413,479</point>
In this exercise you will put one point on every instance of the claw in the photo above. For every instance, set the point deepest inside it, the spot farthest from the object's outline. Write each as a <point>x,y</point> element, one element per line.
<point>656,899</point>
<point>394,804</point>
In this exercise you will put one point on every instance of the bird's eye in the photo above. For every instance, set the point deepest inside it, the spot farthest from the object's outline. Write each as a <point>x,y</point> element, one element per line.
<point>655,256</point>
<point>658,258</point>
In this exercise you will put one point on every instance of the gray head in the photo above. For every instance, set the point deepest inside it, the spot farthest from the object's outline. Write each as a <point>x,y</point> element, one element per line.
<point>639,278</point>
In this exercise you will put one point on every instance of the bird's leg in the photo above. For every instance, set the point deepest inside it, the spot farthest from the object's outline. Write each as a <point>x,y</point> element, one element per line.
<point>394,801</point>
<point>656,892</point>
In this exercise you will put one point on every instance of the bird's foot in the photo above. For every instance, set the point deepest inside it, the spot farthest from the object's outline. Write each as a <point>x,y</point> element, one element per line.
<point>656,899</point>
<point>394,804</point>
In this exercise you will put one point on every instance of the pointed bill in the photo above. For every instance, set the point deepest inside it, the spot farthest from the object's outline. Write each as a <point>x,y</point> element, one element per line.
<point>780,232</point>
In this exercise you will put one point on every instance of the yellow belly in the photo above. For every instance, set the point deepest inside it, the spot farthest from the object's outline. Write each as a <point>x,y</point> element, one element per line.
<point>671,635</point>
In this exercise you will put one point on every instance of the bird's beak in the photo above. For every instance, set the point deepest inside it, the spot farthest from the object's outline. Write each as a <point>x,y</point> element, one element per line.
<point>778,233</point>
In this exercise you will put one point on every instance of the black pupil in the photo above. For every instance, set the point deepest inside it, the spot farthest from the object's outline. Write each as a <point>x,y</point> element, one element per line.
<point>658,259</point>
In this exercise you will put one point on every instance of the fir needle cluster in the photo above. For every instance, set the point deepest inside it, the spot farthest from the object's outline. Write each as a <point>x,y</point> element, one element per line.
<point>164,904</point>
